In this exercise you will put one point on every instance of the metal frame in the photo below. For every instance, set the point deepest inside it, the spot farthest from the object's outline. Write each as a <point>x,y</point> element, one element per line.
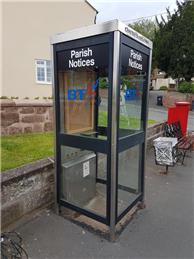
<point>131,140</point>
<point>114,132</point>
<point>115,34</point>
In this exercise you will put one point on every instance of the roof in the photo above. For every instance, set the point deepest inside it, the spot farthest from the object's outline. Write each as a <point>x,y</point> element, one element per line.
<point>92,6</point>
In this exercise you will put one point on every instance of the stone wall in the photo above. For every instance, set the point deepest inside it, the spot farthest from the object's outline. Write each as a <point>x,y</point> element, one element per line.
<point>154,132</point>
<point>170,98</point>
<point>26,116</point>
<point>26,189</point>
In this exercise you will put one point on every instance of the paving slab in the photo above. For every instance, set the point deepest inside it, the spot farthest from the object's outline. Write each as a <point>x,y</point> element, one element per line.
<point>164,229</point>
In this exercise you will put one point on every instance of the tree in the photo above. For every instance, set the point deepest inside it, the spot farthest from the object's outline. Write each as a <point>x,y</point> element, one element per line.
<point>146,27</point>
<point>174,42</point>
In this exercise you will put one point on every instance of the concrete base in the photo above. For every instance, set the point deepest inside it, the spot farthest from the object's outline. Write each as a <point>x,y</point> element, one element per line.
<point>98,227</point>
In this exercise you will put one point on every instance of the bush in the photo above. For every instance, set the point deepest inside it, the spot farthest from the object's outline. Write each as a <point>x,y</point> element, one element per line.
<point>163,88</point>
<point>4,97</point>
<point>186,87</point>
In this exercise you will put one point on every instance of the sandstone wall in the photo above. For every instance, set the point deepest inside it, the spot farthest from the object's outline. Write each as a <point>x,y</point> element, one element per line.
<point>26,116</point>
<point>25,189</point>
<point>170,98</point>
<point>154,132</point>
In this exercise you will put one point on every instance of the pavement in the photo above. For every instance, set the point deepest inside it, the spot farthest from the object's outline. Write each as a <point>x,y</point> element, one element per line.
<point>164,229</point>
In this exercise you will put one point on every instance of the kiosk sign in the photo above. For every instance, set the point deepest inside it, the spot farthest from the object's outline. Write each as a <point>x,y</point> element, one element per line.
<point>135,60</point>
<point>77,61</point>
<point>86,57</point>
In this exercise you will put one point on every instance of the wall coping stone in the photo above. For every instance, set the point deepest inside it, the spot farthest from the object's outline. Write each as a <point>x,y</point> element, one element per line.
<point>155,125</point>
<point>26,103</point>
<point>26,170</point>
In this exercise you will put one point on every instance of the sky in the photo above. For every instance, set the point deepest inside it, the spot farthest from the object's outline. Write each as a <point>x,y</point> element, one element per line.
<point>129,11</point>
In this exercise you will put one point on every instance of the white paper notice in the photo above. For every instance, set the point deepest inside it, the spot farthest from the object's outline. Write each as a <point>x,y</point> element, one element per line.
<point>86,168</point>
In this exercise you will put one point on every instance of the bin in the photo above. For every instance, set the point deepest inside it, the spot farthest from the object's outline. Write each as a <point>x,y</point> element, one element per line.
<point>192,106</point>
<point>159,100</point>
<point>183,112</point>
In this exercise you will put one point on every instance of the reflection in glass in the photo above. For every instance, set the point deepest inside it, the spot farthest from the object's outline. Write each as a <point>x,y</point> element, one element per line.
<point>132,84</point>
<point>128,177</point>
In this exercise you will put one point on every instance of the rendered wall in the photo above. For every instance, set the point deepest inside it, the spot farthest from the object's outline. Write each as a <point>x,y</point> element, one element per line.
<point>26,28</point>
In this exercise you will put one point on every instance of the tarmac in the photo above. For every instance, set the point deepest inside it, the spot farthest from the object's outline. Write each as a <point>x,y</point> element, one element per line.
<point>164,229</point>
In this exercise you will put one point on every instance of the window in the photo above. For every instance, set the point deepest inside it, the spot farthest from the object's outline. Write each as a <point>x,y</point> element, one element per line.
<point>43,71</point>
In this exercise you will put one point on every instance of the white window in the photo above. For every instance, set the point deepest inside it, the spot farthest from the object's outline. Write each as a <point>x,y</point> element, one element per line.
<point>43,71</point>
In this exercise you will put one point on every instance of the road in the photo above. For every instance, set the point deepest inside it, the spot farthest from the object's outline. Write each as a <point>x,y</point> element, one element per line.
<point>160,113</point>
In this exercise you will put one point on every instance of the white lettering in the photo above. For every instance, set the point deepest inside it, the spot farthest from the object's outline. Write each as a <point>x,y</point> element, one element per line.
<point>72,53</point>
<point>134,64</point>
<point>78,55</point>
<point>135,55</point>
<point>82,53</point>
<point>81,63</point>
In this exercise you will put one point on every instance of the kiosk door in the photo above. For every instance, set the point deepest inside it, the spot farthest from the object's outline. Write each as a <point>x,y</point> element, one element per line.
<point>132,123</point>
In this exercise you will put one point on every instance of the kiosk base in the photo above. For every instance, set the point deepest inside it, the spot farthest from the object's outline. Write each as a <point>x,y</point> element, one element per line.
<point>98,227</point>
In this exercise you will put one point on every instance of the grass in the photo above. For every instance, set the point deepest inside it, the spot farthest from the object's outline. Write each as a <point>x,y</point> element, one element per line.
<point>125,122</point>
<point>17,150</point>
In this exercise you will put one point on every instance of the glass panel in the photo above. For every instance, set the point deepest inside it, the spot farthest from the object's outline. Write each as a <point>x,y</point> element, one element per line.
<point>40,74</point>
<point>78,179</point>
<point>83,83</point>
<point>40,62</point>
<point>128,177</point>
<point>133,81</point>
<point>48,70</point>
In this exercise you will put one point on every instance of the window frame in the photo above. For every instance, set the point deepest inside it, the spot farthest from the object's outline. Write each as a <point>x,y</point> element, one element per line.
<point>45,82</point>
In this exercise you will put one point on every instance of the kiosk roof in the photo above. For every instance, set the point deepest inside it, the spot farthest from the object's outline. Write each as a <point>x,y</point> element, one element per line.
<point>97,29</point>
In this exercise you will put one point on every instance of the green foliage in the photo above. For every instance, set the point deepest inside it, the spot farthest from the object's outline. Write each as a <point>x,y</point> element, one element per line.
<point>17,150</point>
<point>14,97</point>
<point>146,27</point>
<point>174,42</point>
<point>125,122</point>
<point>163,88</point>
<point>36,98</point>
<point>26,98</point>
<point>186,87</point>
<point>3,97</point>
<point>44,98</point>
<point>103,82</point>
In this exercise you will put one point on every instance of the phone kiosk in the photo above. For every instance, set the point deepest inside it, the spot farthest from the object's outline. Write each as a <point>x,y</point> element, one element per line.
<point>101,81</point>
